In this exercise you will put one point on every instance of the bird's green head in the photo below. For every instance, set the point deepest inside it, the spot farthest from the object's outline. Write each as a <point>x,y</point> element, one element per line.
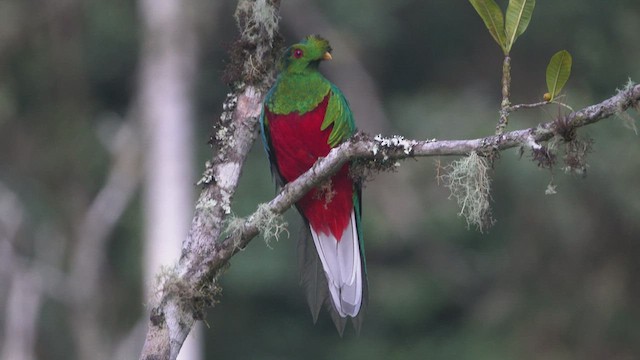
<point>305,55</point>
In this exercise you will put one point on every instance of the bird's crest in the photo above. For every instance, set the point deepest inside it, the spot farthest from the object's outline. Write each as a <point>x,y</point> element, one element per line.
<point>317,42</point>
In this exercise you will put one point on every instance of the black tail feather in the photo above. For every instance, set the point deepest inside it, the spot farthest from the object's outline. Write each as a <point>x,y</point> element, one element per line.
<point>311,273</point>
<point>339,321</point>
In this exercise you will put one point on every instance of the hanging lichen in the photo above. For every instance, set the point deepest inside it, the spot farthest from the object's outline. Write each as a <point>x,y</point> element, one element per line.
<point>469,182</point>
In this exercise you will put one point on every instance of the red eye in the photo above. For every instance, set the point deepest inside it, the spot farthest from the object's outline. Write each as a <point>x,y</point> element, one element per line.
<point>297,53</point>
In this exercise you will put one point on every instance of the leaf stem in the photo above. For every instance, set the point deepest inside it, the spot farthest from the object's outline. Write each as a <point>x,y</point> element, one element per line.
<point>506,92</point>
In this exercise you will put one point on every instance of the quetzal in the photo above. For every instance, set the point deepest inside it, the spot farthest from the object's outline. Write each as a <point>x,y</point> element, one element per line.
<point>304,115</point>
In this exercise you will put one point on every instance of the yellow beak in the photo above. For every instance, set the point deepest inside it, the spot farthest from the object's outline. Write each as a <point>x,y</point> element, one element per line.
<point>327,56</point>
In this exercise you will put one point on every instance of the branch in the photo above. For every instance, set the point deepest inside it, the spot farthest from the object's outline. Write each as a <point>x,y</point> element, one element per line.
<point>396,148</point>
<point>187,289</point>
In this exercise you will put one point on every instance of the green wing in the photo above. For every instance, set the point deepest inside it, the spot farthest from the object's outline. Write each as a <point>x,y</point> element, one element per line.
<point>339,114</point>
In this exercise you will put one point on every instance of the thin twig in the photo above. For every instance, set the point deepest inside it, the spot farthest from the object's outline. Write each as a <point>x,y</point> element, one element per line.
<point>514,108</point>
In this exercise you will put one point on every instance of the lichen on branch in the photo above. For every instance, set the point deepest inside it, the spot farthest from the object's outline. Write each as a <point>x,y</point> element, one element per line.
<point>269,223</point>
<point>470,184</point>
<point>253,54</point>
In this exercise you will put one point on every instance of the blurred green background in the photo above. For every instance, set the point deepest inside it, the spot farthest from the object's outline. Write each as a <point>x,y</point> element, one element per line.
<point>555,278</point>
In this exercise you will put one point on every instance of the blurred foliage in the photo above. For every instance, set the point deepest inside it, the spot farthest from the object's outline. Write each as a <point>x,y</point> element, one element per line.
<point>553,279</point>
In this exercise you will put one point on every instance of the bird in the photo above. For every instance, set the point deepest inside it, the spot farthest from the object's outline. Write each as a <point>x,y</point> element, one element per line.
<point>303,117</point>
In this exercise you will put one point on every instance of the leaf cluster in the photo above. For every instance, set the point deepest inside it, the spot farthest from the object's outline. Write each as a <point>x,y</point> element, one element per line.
<point>505,29</point>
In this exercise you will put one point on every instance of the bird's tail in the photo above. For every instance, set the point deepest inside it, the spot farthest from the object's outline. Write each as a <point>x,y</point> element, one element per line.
<point>333,273</point>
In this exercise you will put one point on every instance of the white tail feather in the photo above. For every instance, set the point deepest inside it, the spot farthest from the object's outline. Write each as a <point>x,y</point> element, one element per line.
<point>342,265</point>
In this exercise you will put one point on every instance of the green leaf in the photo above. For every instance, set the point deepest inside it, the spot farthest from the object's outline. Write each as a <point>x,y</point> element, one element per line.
<point>558,72</point>
<point>518,16</point>
<point>493,19</point>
